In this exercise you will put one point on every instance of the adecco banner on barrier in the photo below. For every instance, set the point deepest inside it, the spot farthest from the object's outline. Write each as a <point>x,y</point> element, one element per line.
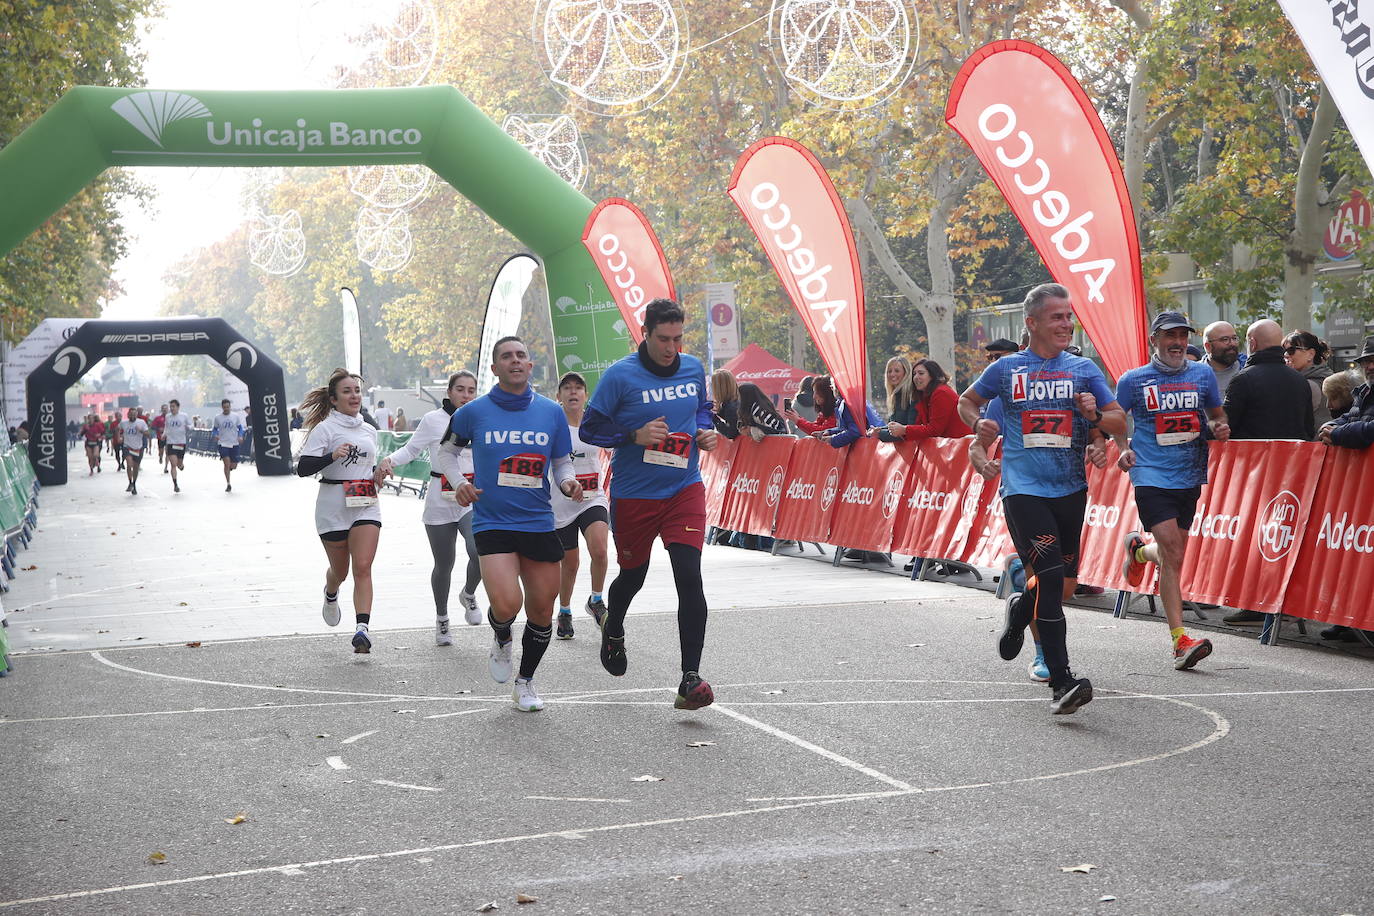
<point>789,201</point>
<point>870,494</point>
<point>1110,514</point>
<point>991,543</point>
<point>756,484</point>
<point>1334,578</point>
<point>1042,143</point>
<point>1336,34</point>
<point>715,476</point>
<point>627,252</point>
<point>809,491</point>
<point>944,502</point>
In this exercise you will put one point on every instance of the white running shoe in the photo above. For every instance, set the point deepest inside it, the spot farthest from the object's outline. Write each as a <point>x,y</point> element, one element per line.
<point>441,637</point>
<point>330,611</point>
<point>498,661</point>
<point>526,700</point>
<point>471,613</point>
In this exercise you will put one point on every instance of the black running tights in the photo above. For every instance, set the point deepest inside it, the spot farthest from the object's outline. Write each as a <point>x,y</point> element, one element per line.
<point>1047,533</point>
<point>691,601</point>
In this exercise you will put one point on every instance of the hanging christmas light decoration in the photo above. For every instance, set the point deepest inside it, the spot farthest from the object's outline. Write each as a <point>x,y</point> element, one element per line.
<point>554,140</point>
<point>276,244</point>
<point>844,54</point>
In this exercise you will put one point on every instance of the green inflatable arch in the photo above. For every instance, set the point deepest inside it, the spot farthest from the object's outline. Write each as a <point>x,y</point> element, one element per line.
<point>91,129</point>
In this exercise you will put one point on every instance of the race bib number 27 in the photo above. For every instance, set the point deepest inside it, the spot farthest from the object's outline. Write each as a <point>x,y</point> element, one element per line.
<point>673,452</point>
<point>1047,429</point>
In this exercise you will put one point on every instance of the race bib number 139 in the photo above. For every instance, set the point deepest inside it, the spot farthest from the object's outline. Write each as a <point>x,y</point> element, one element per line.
<point>672,452</point>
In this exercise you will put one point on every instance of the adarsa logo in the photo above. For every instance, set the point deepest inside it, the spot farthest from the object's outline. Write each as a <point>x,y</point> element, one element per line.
<point>800,261</point>
<point>1051,208</point>
<point>168,337</point>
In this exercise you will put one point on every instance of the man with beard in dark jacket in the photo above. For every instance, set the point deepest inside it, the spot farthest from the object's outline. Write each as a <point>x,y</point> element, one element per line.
<point>1268,400</point>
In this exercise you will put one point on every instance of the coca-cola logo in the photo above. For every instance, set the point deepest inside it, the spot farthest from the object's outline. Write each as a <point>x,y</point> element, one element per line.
<point>764,373</point>
<point>1278,528</point>
<point>832,486</point>
<point>774,486</point>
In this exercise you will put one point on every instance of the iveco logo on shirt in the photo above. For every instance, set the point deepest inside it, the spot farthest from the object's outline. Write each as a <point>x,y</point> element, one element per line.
<point>516,437</point>
<point>671,393</point>
<point>1170,400</point>
<point>1023,389</point>
<point>173,336</point>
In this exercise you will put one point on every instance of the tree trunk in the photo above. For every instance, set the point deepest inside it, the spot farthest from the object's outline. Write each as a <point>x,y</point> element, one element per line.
<point>1136,146</point>
<point>1310,213</point>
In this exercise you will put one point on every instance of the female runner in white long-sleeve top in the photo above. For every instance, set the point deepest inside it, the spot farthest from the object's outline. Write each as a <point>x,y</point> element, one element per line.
<point>444,518</point>
<point>343,450</point>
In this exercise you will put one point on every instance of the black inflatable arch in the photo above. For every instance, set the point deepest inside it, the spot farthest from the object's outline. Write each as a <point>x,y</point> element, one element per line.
<point>95,340</point>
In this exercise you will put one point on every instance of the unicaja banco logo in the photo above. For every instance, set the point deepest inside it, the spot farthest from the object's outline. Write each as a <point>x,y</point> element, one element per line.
<point>151,112</point>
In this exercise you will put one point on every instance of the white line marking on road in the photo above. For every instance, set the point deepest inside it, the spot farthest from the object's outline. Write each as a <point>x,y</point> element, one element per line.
<point>200,680</point>
<point>449,715</point>
<point>813,748</point>
<point>198,709</point>
<point>610,801</point>
<point>791,798</point>
<point>404,785</point>
<point>358,737</point>
<point>98,591</point>
<point>337,763</point>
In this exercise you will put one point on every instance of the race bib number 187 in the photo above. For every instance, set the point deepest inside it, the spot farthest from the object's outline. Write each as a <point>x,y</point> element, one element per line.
<point>1047,429</point>
<point>672,452</point>
<point>525,471</point>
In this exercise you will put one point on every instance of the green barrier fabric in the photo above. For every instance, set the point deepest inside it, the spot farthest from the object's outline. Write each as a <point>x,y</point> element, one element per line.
<point>388,442</point>
<point>92,128</point>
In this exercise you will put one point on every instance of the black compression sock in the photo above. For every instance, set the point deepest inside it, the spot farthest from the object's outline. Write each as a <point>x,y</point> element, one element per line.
<point>502,630</point>
<point>532,646</point>
<point>618,597</point>
<point>691,603</point>
<point>364,618</point>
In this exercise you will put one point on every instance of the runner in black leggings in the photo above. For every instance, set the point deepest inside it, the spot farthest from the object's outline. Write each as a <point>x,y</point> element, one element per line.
<point>1050,403</point>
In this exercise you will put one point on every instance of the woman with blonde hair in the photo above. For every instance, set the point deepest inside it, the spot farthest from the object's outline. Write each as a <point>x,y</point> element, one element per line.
<point>901,397</point>
<point>343,450</point>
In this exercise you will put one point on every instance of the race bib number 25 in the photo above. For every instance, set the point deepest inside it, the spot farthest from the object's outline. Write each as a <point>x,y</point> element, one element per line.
<point>525,471</point>
<point>673,452</point>
<point>1177,427</point>
<point>1047,429</point>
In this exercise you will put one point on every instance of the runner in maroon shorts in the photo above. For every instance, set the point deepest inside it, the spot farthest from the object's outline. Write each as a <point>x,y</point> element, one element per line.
<point>652,408</point>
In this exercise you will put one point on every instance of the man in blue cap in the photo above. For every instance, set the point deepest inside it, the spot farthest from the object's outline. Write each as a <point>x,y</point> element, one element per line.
<point>1175,404</point>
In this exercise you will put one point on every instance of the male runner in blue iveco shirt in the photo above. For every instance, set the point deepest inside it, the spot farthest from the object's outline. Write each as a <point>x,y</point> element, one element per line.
<point>1172,401</point>
<point>652,407</point>
<point>1050,400</point>
<point>516,435</point>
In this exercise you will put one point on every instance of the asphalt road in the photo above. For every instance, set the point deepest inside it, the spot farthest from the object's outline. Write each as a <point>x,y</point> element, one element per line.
<point>869,753</point>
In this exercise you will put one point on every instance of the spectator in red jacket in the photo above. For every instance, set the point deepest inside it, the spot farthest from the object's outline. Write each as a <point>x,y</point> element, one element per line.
<point>823,392</point>
<point>937,406</point>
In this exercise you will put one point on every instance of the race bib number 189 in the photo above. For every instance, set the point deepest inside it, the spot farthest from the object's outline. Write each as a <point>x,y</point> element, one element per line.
<point>672,452</point>
<point>1047,429</point>
<point>525,471</point>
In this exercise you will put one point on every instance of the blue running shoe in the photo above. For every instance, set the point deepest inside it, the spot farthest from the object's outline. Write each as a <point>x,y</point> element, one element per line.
<point>362,645</point>
<point>1037,669</point>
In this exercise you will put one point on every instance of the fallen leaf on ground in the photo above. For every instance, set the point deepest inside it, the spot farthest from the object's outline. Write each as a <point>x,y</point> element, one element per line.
<point>989,617</point>
<point>701,744</point>
<point>183,604</point>
<point>157,858</point>
<point>676,877</point>
<point>1080,869</point>
<point>113,533</point>
<point>488,907</point>
<point>193,645</point>
<point>1105,898</point>
<point>773,693</point>
<point>237,818</point>
<point>30,567</point>
<point>647,778</point>
<point>915,645</point>
<point>325,735</point>
<point>525,898</point>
